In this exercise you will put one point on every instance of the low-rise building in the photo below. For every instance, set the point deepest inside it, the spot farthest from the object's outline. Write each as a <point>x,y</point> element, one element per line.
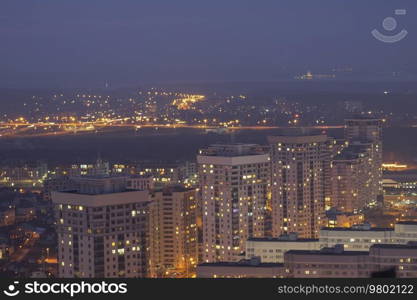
<point>362,237</point>
<point>252,268</point>
<point>396,260</point>
<point>271,250</point>
<point>326,263</point>
<point>401,258</point>
<point>357,238</point>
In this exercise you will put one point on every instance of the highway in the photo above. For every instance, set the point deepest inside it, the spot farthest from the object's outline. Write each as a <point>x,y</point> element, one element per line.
<point>20,129</point>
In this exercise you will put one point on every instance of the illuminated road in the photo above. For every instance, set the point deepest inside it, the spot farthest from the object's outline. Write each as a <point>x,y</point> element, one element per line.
<point>52,129</point>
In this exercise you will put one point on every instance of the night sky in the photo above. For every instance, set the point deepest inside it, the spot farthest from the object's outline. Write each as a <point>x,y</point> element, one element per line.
<point>84,43</point>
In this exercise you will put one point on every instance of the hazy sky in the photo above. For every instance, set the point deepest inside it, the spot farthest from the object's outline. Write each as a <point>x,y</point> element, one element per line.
<point>68,43</point>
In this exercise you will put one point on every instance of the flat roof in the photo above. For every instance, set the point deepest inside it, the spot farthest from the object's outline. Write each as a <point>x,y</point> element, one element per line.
<point>297,139</point>
<point>362,118</point>
<point>237,264</point>
<point>331,253</point>
<point>407,222</point>
<point>172,189</point>
<point>356,229</point>
<point>97,200</point>
<point>281,240</point>
<point>394,246</point>
<point>77,192</point>
<point>98,177</point>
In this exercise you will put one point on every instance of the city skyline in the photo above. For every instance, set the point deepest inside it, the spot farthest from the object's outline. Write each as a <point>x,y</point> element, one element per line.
<point>222,210</point>
<point>187,139</point>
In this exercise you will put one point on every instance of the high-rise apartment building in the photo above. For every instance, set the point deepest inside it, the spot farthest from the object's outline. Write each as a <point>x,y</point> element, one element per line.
<point>173,232</point>
<point>367,132</point>
<point>300,172</point>
<point>102,229</point>
<point>364,129</point>
<point>351,180</point>
<point>234,181</point>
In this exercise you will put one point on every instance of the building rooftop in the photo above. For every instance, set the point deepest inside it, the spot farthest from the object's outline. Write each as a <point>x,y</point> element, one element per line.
<point>233,150</point>
<point>356,229</point>
<point>407,222</point>
<point>362,118</point>
<point>330,253</point>
<point>99,177</point>
<point>411,245</point>
<point>300,131</point>
<point>88,193</point>
<point>297,137</point>
<point>333,212</point>
<point>278,239</point>
<point>173,189</point>
<point>240,264</point>
<point>139,176</point>
<point>408,172</point>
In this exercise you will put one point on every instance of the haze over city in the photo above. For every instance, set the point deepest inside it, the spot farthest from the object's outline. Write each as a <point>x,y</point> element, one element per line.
<point>90,43</point>
<point>208,139</point>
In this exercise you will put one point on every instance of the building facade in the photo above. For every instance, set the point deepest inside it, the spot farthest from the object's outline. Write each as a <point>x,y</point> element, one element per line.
<point>326,263</point>
<point>361,238</point>
<point>300,171</point>
<point>139,182</point>
<point>102,230</point>
<point>351,180</point>
<point>272,250</point>
<point>384,260</point>
<point>251,268</point>
<point>234,181</point>
<point>367,132</point>
<point>400,258</point>
<point>173,232</point>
